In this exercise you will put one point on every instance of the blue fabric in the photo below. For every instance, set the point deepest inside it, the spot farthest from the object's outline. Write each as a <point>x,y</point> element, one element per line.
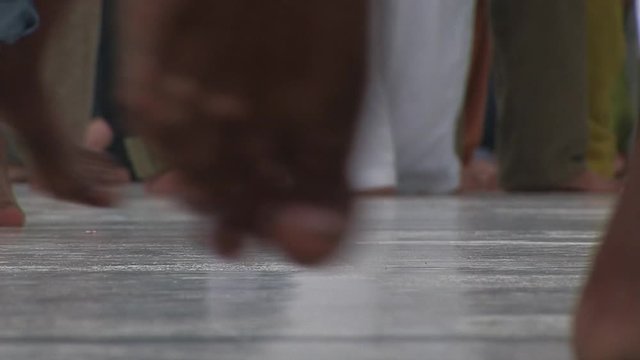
<point>17,19</point>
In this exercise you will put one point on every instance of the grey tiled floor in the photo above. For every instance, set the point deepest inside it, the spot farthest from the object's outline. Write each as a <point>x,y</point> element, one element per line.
<point>441,278</point>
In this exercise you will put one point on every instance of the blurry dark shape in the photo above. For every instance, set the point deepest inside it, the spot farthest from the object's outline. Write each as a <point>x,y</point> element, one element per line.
<point>105,105</point>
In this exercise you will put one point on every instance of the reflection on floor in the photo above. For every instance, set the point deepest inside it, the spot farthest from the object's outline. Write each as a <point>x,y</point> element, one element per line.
<point>424,278</point>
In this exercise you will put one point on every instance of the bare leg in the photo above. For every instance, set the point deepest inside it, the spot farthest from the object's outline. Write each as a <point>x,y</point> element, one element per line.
<point>607,325</point>
<point>60,167</point>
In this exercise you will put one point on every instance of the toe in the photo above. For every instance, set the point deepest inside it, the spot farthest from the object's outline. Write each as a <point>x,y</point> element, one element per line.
<point>309,235</point>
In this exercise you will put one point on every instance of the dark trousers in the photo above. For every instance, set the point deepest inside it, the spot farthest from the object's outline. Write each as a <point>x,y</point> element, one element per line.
<point>542,91</point>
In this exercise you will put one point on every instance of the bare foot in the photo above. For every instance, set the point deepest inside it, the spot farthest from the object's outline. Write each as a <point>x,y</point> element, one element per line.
<point>95,175</point>
<point>589,181</point>
<point>479,176</point>
<point>259,120</point>
<point>98,137</point>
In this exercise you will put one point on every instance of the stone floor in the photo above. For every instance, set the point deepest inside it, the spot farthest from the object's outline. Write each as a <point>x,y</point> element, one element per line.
<point>424,278</point>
